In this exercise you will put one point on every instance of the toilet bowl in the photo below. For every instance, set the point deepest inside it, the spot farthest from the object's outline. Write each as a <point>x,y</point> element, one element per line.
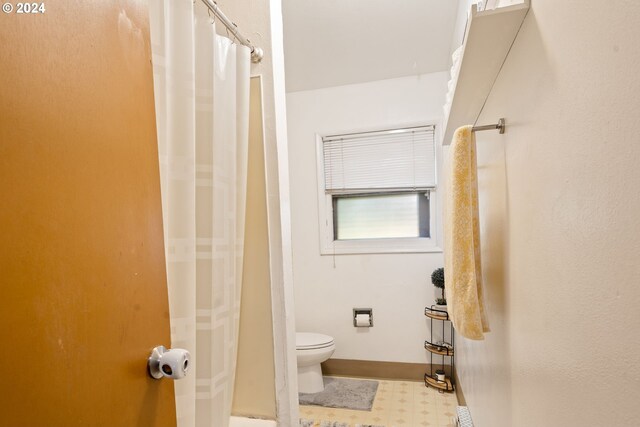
<point>311,350</point>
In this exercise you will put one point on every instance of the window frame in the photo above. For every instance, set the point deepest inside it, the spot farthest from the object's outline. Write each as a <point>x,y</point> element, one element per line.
<point>328,246</point>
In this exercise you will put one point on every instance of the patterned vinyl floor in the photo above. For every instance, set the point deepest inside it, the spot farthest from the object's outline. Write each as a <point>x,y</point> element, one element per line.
<point>397,404</point>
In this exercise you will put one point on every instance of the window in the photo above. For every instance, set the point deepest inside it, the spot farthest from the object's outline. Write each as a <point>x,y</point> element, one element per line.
<point>376,191</point>
<point>381,216</point>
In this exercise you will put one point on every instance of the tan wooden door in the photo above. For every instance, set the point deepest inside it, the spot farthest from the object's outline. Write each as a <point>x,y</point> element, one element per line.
<point>83,295</point>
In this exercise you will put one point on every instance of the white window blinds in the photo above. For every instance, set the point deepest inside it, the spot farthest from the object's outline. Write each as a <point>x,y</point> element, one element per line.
<point>392,160</point>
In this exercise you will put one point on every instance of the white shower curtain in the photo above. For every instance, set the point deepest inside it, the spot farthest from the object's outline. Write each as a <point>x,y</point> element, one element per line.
<point>201,85</point>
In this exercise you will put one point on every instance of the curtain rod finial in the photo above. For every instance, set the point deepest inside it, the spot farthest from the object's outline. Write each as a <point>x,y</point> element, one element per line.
<point>256,55</point>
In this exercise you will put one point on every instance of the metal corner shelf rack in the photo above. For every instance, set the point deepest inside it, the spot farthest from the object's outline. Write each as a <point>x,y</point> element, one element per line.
<point>443,349</point>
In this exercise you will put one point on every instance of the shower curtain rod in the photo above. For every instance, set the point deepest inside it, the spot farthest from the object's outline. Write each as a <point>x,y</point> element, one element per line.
<point>500,126</point>
<point>256,52</point>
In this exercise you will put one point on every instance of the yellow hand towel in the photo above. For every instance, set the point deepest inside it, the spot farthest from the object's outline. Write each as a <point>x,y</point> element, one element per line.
<point>462,269</point>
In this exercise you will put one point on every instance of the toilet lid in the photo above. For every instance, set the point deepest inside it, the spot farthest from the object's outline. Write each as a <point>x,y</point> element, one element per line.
<point>310,340</point>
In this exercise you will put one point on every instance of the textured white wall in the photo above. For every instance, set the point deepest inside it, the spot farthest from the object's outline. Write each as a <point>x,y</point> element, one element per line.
<point>560,225</point>
<point>396,286</point>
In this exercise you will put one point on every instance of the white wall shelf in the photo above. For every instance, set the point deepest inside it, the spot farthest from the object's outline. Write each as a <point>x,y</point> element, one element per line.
<point>487,40</point>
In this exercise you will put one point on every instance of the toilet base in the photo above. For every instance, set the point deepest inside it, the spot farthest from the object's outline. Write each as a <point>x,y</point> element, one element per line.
<point>310,379</point>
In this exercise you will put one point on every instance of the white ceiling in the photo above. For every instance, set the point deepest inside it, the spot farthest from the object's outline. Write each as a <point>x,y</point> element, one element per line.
<point>337,42</point>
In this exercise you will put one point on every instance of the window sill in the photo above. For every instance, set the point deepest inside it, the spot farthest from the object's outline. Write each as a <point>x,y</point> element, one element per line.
<point>380,246</point>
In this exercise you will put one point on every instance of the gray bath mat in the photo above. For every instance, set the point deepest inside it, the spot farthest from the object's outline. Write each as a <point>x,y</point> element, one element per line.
<point>343,393</point>
<point>333,424</point>
<point>310,423</point>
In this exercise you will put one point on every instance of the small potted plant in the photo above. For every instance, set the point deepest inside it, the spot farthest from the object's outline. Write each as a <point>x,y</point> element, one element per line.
<point>437,278</point>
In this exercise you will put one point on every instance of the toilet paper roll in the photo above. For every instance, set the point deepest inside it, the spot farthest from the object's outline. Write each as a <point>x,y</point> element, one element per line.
<point>363,320</point>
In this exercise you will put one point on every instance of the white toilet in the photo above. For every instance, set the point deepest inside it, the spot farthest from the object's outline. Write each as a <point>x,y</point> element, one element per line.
<point>311,350</point>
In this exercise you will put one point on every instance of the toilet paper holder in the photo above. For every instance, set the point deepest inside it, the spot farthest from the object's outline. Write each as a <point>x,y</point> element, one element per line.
<point>361,311</point>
